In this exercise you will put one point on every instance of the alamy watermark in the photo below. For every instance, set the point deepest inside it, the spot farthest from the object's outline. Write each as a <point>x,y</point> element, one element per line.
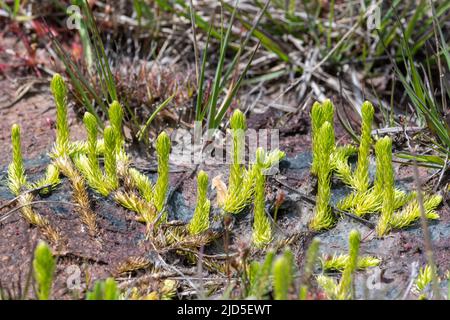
<point>373,17</point>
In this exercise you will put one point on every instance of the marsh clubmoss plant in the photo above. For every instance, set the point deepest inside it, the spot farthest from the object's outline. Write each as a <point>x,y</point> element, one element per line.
<point>88,164</point>
<point>16,170</point>
<point>17,182</point>
<point>235,197</point>
<point>320,113</point>
<point>384,152</point>
<point>61,153</point>
<point>283,275</point>
<point>200,221</point>
<point>238,126</point>
<point>361,175</point>
<point>151,199</point>
<point>43,270</point>
<point>345,285</point>
<point>90,123</point>
<point>308,269</point>
<point>323,217</point>
<point>398,208</point>
<point>59,90</point>
<point>262,231</point>
<point>133,202</point>
<point>115,114</point>
<point>343,289</point>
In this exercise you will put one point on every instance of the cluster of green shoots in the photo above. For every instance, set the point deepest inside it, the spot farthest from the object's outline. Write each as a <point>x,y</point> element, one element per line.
<point>397,208</point>
<point>247,184</point>
<point>278,275</point>
<point>102,164</point>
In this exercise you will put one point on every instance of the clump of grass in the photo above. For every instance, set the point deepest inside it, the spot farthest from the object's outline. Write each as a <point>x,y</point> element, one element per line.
<point>200,220</point>
<point>323,217</point>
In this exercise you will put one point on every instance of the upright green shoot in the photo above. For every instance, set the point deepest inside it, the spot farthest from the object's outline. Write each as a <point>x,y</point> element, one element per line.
<point>383,149</point>
<point>345,286</point>
<point>110,157</point>
<point>323,217</point>
<point>163,145</point>
<point>115,114</point>
<point>104,290</point>
<point>319,114</point>
<point>238,126</point>
<point>59,90</point>
<point>16,170</point>
<point>200,220</point>
<point>90,122</point>
<point>361,175</point>
<point>262,232</point>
